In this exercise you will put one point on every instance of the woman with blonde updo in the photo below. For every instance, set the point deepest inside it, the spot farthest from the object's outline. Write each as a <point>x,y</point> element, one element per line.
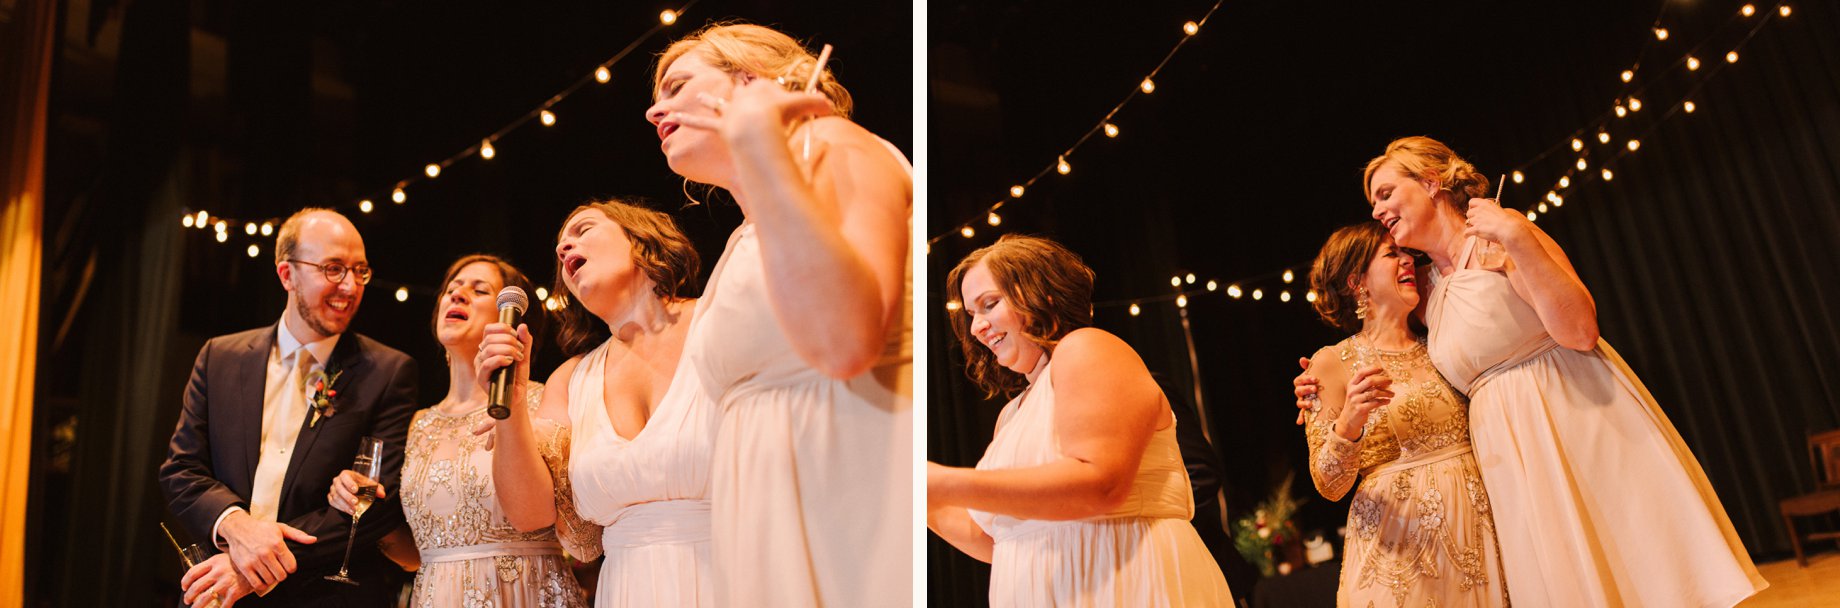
<point>1598,501</point>
<point>803,335</point>
<point>1082,498</point>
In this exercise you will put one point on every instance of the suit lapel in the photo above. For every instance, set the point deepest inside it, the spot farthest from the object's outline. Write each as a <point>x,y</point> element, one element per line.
<point>250,377</point>
<point>348,361</point>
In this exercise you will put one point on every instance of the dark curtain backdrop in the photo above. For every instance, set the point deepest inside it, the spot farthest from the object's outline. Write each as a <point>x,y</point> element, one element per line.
<point>1714,256</point>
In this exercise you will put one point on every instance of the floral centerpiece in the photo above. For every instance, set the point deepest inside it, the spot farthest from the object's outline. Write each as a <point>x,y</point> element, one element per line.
<point>1269,538</point>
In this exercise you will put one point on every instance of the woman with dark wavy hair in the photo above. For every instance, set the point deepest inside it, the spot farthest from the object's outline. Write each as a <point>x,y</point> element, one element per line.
<point>641,426</point>
<point>1081,498</point>
<point>463,539</point>
<point>1420,531</point>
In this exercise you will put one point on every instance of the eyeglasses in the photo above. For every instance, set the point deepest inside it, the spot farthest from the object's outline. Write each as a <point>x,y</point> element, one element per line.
<point>335,272</point>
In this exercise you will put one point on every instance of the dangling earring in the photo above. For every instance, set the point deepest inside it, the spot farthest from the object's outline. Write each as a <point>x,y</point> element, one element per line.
<point>1360,304</point>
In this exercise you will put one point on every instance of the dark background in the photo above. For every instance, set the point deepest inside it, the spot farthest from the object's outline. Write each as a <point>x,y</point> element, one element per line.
<point>1712,255</point>
<point>252,110</point>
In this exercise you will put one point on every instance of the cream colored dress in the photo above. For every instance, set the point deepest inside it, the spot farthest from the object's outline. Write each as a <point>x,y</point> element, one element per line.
<point>650,492</point>
<point>1142,554</point>
<point>471,556</point>
<point>1598,502</point>
<point>812,482</point>
<point>1419,532</point>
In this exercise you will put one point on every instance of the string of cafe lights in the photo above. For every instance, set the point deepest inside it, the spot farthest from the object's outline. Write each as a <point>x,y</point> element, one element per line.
<point>1186,286</point>
<point>1105,125</point>
<point>259,230</point>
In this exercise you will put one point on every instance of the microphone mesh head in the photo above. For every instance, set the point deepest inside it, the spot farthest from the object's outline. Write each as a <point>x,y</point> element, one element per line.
<point>513,297</point>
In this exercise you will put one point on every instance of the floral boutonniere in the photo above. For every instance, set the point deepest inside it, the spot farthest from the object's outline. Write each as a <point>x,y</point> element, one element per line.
<point>321,381</point>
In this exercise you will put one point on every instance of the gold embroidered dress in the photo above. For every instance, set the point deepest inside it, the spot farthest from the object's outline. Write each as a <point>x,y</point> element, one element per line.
<point>1420,532</point>
<point>471,556</point>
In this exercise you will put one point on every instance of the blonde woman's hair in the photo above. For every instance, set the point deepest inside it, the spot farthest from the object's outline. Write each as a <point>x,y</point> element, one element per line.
<point>1429,160</point>
<point>743,48</point>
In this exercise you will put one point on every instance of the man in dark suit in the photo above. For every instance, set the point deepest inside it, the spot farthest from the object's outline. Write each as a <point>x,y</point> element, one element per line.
<point>271,415</point>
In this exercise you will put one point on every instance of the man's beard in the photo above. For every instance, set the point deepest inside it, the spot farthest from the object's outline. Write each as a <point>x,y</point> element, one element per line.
<point>310,315</point>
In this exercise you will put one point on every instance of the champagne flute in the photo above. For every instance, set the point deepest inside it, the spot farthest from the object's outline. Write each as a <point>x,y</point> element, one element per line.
<point>1493,254</point>
<point>369,463</point>
<point>191,555</point>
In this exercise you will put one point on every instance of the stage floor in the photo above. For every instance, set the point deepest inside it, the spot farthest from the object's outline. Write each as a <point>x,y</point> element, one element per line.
<point>1790,586</point>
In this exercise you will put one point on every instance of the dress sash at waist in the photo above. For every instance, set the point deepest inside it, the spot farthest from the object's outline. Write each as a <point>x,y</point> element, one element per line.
<point>1545,345</point>
<point>1030,527</point>
<point>1419,460</point>
<point>460,554</point>
<point>660,522</point>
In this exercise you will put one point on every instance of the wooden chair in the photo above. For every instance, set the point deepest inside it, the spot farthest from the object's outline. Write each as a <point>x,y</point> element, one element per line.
<point>1824,453</point>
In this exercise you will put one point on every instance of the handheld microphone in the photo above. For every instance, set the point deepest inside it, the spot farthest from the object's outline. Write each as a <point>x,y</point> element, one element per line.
<point>511,305</point>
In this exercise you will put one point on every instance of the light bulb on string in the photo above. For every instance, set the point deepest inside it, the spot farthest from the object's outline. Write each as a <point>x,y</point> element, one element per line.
<point>602,74</point>
<point>222,226</point>
<point>186,221</point>
<point>1258,294</point>
<point>1565,181</point>
<point>486,151</point>
<point>1731,57</point>
<point>1147,86</point>
<point>1634,143</point>
<point>1688,106</point>
<point>1628,75</point>
<point>1635,105</point>
<point>1289,276</point>
<point>1063,167</point>
<point>1212,286</point>
<point>1608,175</point>
<point>667,17</point>
<point>268,228</point>
<point>1191,27</point>
<point>402,294</point>
<point>432,170</point>
<point>1182,301</point>
<point>1783,10</point>
<point>203,217</point>
<point>1175,281</point>
<point>221,237</point>
<point>1603,137</point>
<point>1692,63</point>
<point>1309,296</point>
<point>1189,278</point>
<point>1621,111</point>
<point>1519,177</point>
<point>1233,291</point>
<point>254,251</point>
<point>1542,207</point>
<point>953,305</point>
<point>1550,195</point>
<point>1135,309</point>
<point>249,228</point>
<point>1577,144</point>
<point>548,118</point>
<point>967,232</point>
<point>365,205</point>
<point>1581,164</point>
<point>1748,10</point>
<point>1661,33</point>
<point>993,219</point>
<point>1284,296</point>
<point>1016,191</point>
<point>1532,217</point>
<point>1558,201</point>
<point>1111,130</point>
<point>399,195</point>
<point>542,293</point>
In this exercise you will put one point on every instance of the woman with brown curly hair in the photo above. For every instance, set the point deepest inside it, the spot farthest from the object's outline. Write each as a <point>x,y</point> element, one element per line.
<point>641,426</point>
<point>464,538</point>
<point>1598,501</point>
<point>1420,532</point>
<point>806,338</point>
<point>1081,498</point>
